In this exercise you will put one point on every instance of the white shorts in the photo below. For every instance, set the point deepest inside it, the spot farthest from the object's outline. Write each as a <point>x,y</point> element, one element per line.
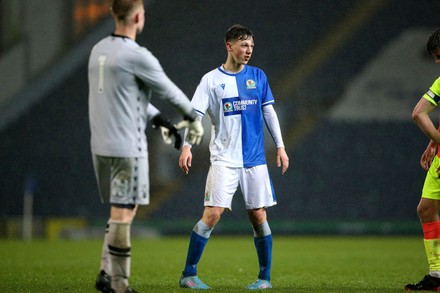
<point>123,181</point>
<point>222,183</point>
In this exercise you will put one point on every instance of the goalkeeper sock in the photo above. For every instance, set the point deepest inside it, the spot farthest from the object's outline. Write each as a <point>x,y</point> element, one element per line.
<point>263,245</point>
<point>105,256</point>
<point>198,240</point>
<point>119,247</point>
<point>431,232</point>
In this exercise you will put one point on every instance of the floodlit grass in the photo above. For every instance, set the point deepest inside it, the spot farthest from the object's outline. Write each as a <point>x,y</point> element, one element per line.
<point>300,264</point>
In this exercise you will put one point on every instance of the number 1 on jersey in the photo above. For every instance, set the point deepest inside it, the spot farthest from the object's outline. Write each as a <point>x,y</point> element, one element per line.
<point>101,61</point>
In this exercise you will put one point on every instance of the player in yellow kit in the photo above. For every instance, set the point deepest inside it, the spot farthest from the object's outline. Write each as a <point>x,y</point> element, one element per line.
<point>429,205</point>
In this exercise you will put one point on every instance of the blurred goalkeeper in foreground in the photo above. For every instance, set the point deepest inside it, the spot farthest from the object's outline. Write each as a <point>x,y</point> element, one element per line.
<point>429,205</point>
<point>122,76</point>
<point>238,100</point>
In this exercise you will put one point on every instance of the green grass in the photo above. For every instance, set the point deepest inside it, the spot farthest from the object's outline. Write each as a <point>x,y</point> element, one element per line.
<point>300,264</point>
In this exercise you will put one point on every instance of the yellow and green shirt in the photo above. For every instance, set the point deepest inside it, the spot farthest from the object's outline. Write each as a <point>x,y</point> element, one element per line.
<point>433,95</point>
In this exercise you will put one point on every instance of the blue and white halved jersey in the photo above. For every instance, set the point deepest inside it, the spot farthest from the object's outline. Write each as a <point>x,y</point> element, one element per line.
<point>234,102</point>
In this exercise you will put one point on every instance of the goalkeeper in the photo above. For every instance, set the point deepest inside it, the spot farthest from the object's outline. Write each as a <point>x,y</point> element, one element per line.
<point>122,76</point>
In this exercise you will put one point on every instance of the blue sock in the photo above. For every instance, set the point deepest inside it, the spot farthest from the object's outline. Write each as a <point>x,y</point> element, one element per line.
<point>264,252</point>
<point>196,245</point>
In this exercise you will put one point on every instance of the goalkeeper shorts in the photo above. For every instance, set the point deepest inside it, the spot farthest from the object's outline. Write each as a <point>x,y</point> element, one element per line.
<point>122,181</point>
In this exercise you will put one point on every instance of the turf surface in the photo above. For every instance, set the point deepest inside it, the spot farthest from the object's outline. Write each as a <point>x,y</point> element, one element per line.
<point>300,264</point>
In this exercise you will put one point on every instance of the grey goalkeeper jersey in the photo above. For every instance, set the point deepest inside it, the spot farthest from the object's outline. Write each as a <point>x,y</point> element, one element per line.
<point>122,76</point>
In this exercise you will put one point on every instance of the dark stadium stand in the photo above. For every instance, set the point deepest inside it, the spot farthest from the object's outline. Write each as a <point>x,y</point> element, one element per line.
<point>340,172</point>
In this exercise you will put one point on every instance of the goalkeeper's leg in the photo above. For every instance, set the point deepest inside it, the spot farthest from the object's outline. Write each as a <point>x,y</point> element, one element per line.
<point>103,280</point>
<point>105,256</point>
<point>119,246</point>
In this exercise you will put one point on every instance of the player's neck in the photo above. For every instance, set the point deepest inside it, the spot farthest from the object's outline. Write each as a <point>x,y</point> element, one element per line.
<point>126,32</point>
<point>233,66</point>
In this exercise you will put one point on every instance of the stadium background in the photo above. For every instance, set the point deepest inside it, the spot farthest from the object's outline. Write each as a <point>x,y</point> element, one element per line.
<point>345,74</point>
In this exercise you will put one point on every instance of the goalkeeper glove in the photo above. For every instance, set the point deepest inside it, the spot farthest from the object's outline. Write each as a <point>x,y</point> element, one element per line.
<point>167,130</point>
<point>195,130</point>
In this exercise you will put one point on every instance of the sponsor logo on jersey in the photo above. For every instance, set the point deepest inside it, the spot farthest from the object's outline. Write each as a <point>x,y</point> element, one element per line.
<point>236,106</point>
<point>250,84</point>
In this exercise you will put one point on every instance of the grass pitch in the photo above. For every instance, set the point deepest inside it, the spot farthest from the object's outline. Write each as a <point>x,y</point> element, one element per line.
<point>229,264</point>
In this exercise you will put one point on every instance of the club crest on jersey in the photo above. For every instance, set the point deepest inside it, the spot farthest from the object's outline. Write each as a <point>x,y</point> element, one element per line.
<point>227,107</point>
<point>250,84</point>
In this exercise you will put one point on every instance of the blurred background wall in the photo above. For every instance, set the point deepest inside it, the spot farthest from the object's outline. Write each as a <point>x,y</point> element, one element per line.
<point>345,74</point>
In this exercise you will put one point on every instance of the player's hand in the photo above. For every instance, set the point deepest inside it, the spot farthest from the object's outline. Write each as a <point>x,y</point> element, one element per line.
<point>195,130</point>
<point>282,160</point>
<point>427,156</point>
<point>185,159</point>
<point>171,134</point>
<point>168,131</point>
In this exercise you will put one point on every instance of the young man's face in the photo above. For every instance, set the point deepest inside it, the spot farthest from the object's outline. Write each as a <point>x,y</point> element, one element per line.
<point>241,50</point>
<point>436,55</point>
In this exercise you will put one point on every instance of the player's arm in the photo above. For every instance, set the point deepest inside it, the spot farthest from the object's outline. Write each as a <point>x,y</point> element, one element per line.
<point>152,74</point>
<point>185,158</point>
<point>420,115</point>
<point>200,102</point>
<point>152,111</point>
<point>428,155</point>
<point>273,125</point>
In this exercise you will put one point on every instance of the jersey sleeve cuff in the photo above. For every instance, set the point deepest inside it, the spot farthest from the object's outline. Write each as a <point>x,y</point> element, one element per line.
<point>431,97</point>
